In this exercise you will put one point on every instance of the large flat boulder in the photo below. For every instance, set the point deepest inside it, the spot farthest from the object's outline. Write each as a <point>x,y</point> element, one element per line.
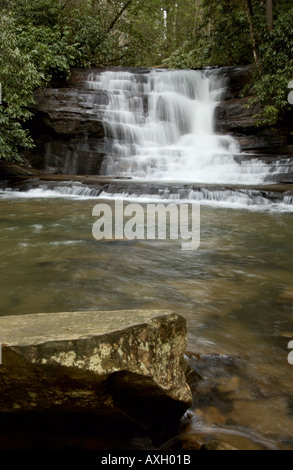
<point>121,364</point>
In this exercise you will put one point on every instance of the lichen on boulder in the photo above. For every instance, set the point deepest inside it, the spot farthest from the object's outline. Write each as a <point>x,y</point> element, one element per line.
<point>126,364</point>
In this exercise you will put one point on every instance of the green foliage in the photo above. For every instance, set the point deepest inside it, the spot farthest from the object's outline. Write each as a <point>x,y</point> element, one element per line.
<point>35,12</point>
<point>221,38</point>
<point>140,39</point>
<point>57,35</point>
<point>19,77</point>
<point>90,44</point>
<point>48,50</point>
<point>276,52</point>
<point>229,33</point>
<point>41,40</point>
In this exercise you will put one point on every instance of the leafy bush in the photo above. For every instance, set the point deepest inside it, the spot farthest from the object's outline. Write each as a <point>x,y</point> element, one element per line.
<point>276,53</point>
<point>224,37</point>
<point>39,42</point>
<point>19,77</point>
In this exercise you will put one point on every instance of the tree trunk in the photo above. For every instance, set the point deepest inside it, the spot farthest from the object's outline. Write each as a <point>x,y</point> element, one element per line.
<point>170,26</point>
<point>197,4</point>
<point>250,7</point>
<point>269,14</point>
<point>249,15</point>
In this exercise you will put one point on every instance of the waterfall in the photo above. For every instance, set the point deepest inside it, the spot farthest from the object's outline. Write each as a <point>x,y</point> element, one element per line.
<point>152,136</point>
<point>159,125</point>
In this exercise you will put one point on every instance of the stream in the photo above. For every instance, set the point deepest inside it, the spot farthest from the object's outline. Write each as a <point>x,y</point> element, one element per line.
<point>234,292</point>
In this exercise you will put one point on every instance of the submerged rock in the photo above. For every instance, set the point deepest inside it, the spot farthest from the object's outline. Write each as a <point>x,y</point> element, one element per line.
<point>192,442</point>
<point>216,445</point>
<point>125,365</point>
<point>287,294</point>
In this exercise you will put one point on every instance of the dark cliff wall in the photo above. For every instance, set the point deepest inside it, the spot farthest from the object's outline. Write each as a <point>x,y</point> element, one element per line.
<point>68,132</point>
<point>68,126</point>
<point>236,116</point>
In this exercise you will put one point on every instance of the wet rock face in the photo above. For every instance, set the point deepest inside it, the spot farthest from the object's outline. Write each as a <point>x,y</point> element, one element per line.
<point>79,76</point>
<point>68,127</point>
<point>123,365</point>
<point>236,115</point>
<point>68,131</point>
<point>237,78</point>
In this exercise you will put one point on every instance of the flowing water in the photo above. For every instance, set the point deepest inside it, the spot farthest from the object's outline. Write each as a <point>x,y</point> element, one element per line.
<point>160,126</point>
<point>235,290</point>
<point>232,292</point>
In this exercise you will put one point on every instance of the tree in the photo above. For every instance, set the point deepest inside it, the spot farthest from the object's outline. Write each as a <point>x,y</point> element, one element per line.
<point>221,35</point>
<point>271,87</point>
<point>119,14</point>
<point>269,14</point>
<point>41,40</point>
<point>19,77</point>
<point>249,15</point>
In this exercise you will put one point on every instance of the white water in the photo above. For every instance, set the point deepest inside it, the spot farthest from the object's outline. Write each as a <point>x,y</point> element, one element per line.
<point>229,198</point>
<point>160,126</point>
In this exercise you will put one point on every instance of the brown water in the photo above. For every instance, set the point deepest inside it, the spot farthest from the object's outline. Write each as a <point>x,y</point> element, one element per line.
<point>230,291</point>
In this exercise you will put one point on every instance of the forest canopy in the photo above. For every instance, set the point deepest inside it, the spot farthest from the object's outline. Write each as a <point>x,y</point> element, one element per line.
<point>41,40</point>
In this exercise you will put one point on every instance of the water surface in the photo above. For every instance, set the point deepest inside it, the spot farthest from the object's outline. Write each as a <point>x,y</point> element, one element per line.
<point>232,292</point>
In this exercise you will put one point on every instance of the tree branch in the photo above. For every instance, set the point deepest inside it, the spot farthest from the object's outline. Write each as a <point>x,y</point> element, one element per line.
<point>64,5</point>
<point>117,58</point>
<point>119,14</point>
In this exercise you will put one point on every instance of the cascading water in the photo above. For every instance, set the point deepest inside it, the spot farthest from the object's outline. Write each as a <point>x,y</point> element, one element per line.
<point>160,144</point>
<point>159,125</point>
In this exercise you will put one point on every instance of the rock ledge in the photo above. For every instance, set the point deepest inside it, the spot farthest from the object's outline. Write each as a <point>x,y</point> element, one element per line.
<point>121,364</point>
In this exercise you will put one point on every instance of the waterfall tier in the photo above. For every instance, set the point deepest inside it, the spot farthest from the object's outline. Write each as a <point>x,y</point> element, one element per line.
<point>159,125</point>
